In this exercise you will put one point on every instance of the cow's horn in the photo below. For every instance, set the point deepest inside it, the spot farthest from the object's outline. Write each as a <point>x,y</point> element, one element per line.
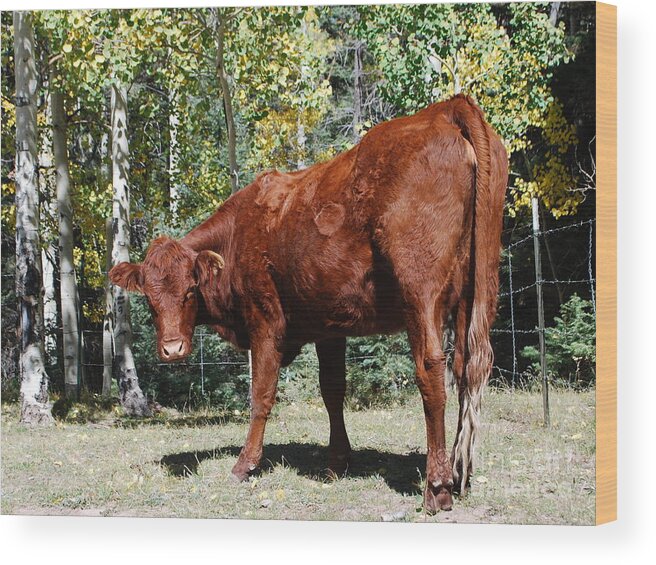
<point>219,260</point>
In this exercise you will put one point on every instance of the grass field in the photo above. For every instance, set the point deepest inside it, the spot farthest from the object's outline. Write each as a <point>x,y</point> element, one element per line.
<point>180,466</point>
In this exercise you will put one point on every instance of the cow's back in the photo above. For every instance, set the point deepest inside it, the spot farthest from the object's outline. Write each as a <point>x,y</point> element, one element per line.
<point>330,235</point>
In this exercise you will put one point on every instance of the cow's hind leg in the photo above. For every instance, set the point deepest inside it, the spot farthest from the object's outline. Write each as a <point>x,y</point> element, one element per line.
<point>424,326</point>
<point>332,379</point>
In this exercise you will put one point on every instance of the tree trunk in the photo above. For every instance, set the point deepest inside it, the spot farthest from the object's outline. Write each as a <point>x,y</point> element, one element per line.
<point>68,284</point>
<point>35,408</point>
<point>105,161</point>
<point>132,399</point>
<point>48,215</point>
<point>301,138</point>
<point>108,319</point>
<point>227,100</point>
<point>50,318</point>
<point>357,90</point>
<point>553,13</point>
<point>174,154</point>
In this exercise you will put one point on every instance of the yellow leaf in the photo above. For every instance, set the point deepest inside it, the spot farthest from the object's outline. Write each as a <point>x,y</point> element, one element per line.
<point>67,48</point>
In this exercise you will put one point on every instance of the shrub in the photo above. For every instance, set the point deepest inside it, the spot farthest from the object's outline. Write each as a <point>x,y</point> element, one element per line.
<point>380,370</point>
<point>300,381</point>
<point>570,344</point>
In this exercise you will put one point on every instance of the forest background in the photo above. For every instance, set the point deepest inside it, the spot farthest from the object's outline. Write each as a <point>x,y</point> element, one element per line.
<point>212,97</point>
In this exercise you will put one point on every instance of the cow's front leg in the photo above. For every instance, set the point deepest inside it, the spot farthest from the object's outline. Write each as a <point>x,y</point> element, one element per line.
<point>266,366</point>
<point>332,379</point>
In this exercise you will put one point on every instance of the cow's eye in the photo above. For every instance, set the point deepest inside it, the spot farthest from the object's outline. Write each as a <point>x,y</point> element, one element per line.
<point>190,294</point>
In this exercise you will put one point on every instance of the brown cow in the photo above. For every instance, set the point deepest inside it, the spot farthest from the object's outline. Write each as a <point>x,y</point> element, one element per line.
<point>400,232</point>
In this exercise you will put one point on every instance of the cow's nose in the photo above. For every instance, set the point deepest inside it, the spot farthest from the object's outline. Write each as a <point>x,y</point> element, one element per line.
<point>172,349</point>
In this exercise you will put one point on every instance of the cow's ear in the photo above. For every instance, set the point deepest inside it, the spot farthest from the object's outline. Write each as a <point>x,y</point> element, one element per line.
<point>127,276</point>
<point>207,267</point>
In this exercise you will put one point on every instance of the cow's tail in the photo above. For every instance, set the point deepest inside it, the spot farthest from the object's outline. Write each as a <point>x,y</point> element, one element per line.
<point>484,273</point>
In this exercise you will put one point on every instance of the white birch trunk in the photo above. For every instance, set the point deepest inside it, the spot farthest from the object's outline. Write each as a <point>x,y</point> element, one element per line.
<point>553,13</point>
<point>68,284</point>
<point>224,80</point>
<point>357,90</point>
<point>301,138</point>
<point>35,408</point>
<point>105,161</point>
<point>48,261</point>
<point>174,154</point>
<point>108,320</point>
<point>48,213</point>
<point>132,399</point>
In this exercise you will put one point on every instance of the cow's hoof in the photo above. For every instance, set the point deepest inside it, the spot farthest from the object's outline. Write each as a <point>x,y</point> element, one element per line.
<point>239,477</point>
<point>438,498</point>
<point>241,472</point>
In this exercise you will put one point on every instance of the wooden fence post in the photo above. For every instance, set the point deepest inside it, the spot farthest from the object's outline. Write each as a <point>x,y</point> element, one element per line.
<point>202,368</point>
<point>538,285</point>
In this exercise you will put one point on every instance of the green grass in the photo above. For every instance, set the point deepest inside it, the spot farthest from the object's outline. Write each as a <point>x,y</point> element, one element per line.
<point>181,466</point>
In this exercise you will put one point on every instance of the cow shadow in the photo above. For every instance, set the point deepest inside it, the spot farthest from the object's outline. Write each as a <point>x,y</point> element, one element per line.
<point>402,472</point>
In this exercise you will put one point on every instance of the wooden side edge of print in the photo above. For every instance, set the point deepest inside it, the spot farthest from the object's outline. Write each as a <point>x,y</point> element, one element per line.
<point>606,264</point>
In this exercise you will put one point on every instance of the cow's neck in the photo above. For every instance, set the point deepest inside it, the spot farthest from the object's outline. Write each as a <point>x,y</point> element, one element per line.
<point>216,233</point>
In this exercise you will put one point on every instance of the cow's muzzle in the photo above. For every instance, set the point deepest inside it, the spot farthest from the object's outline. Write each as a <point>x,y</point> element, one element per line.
<point>173,350</point>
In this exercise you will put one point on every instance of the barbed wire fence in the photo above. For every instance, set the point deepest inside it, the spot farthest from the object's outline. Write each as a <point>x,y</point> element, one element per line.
<point>525,303</point>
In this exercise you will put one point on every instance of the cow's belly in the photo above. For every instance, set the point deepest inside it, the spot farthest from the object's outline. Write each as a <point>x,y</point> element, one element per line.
<point>349,302</point>
<point>334,284</point>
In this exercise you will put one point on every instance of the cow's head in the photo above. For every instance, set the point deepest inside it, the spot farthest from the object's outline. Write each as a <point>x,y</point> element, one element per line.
<point>170,278</point>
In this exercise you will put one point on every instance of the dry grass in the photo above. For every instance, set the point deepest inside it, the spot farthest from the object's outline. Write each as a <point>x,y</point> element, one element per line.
<point>525,473</point>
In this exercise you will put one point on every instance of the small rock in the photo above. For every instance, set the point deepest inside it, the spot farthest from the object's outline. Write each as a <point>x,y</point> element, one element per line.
<point>396,517</point>
<point>266,503</point>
